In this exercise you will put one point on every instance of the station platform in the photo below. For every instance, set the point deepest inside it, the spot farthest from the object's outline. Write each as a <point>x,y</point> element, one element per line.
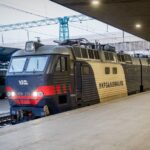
<point>4,106</point>
<point>123,124</point>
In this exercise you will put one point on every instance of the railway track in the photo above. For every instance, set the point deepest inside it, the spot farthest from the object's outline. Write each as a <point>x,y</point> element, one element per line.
<point>5,119</point>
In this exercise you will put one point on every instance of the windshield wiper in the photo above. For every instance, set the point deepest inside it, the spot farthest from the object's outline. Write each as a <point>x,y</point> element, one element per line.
<point>12,67</point>
<point>37,67</point>
<point>37,64</point>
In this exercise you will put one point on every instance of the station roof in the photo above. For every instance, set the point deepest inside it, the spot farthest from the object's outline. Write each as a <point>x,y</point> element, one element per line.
<point>132,16</point>
<point>6,52</point>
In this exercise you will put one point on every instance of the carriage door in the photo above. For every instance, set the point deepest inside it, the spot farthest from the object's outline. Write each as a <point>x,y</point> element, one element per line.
<point>78,80</point>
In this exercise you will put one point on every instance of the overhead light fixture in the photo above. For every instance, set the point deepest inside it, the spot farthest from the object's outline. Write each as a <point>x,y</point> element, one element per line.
<point>95,3</point>
<point>138,25</point>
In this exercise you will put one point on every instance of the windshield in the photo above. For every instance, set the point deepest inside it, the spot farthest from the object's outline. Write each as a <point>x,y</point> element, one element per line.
<point>17,65</point>
<point>28,64</point>
<point>36,64</point>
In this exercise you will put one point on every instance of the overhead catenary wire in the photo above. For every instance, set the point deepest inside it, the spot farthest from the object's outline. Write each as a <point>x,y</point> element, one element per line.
<point>74,26</point>
<point>48,35</point>
<point>37,15</point>
<point>42,16</point>
<point>22,10</point>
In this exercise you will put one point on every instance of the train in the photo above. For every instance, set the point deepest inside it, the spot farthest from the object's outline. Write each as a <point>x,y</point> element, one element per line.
<point>47,79</point>
<point>5,55</point>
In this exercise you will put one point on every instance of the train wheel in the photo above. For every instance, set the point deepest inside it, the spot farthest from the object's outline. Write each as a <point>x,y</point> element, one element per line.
<point>46,110</point>
<point>13,119</point>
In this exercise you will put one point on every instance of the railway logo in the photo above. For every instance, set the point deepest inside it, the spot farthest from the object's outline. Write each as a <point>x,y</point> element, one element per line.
<point>23,82</point>
<point>110,84</point>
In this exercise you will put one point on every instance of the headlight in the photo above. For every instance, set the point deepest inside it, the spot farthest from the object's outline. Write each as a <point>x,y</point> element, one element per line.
<point>37,94</point>
<point>11,94</point>
<point>30,46</point>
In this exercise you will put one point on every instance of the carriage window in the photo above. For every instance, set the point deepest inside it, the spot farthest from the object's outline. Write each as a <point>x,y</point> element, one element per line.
<point>114,70</point>
<point>148,60</point>
<point>37,64</point>
<point>111,57</point>
<point>61,64</point>
<point>77,52</point>
<point>84,53</point>
<point>96,54</point>
<point>17,64</point>
<point>85,70</point>
<point>119,57</point>
<point>91,55</point>
<point>58,68</point>
<point>107,70</point>
<point>127,57</point>
<point>106,55</point>
<point>122,58</point>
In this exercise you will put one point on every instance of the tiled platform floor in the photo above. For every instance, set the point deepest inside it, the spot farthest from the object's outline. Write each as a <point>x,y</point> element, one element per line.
<point>118,125</point>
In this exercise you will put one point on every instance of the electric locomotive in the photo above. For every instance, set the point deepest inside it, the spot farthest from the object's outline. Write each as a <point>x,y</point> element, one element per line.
<point>46,79</point>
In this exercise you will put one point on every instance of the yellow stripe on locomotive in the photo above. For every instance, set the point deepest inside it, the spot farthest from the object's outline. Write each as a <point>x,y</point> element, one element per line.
<point>110,80</point>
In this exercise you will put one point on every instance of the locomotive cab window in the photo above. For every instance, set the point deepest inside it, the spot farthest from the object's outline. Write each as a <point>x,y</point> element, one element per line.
<point>28,64</point>
<point>17,65</point>
<point>107,70</point>
<point>37,64</point>
<point>61,64</point>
